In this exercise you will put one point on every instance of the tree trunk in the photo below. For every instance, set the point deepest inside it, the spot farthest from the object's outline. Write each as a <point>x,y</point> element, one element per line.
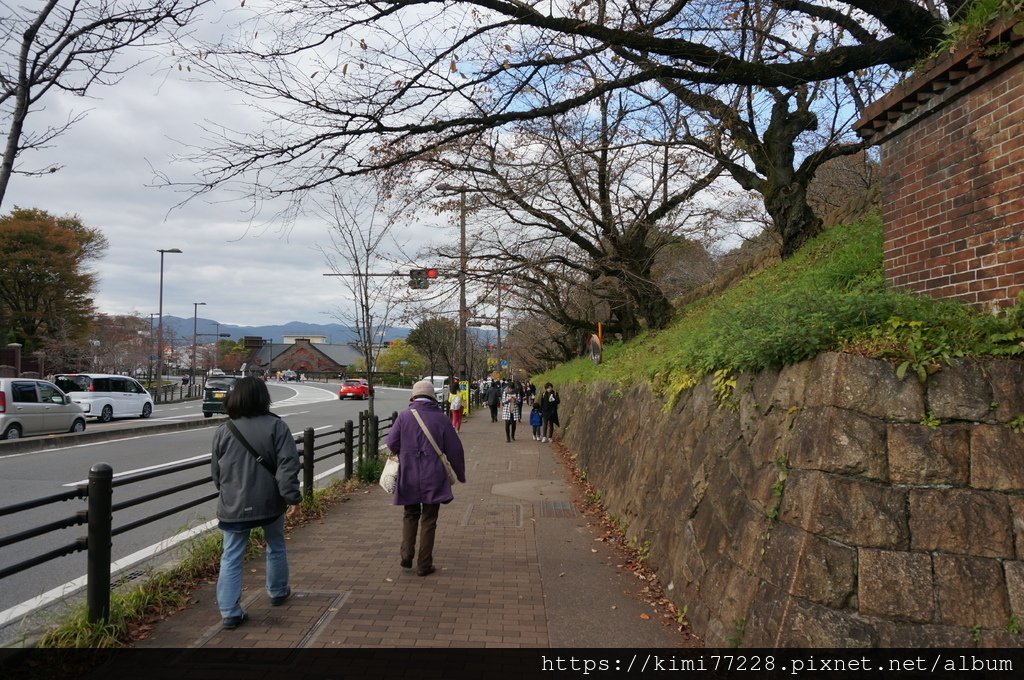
<point>793,218</point>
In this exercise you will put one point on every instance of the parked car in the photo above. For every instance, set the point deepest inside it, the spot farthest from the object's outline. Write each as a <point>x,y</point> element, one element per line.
<point>355,388</point>
<point>215,393</point>
<point>30,406</point>
<point>106,397</point>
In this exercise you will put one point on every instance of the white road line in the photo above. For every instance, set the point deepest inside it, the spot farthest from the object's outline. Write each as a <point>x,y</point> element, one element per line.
<point>146,469</point>
<point>168,464</point>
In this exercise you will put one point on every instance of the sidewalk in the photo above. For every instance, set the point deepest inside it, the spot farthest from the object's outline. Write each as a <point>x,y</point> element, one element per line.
<point>516,567</point>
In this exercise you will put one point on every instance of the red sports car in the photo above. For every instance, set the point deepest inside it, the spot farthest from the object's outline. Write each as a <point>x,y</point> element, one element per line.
<point>355,388</point>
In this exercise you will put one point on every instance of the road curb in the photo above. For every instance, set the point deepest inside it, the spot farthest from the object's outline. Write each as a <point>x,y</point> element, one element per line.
<point>8,448</point>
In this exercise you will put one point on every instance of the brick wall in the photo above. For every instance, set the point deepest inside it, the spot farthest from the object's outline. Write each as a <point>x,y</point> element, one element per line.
<point>952,145</point>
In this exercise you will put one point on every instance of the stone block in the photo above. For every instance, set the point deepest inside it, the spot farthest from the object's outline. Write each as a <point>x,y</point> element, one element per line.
<point>865,385</point>
<point>896,584</point>
<point>764,624</point>
<point>919,454</point>
<point>762,387</point>
<point>997,458</point>
<point>961,521</point>
<point>749,542</point>
<point>711,534</point>
<point>971,591</point>
<point>960,392</point>
<point>812,625</point>
<point>838,440</point>
<point>919,636</point>
<point>852,511</point>
<point>1017,519</point>
<point>691,565</point>
<point>791,387</point>
<point>1006,377</point>
<point>769,441</point>
<point>810,567</point>
<point>758,484</point>
<point>1015,587</point>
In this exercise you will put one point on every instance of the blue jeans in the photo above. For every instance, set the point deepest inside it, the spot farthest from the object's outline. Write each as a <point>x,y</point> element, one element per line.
<point>229,582</point>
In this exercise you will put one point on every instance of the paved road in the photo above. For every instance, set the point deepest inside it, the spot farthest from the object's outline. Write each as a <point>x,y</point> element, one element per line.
<point>31,475</point>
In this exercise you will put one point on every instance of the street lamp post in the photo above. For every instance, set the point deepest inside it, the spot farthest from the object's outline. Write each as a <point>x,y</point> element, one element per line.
<point>160,326</point>
<point>463,261</point>
<point>195,320</point>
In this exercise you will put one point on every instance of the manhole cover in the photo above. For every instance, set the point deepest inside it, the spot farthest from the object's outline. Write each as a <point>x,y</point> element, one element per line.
<point>507,515</point>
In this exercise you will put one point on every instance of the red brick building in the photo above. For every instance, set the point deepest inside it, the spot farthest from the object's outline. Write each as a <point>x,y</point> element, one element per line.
<point>952,144</point>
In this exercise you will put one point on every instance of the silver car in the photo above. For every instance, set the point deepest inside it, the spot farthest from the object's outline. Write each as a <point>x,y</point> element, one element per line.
<point>29,406</point>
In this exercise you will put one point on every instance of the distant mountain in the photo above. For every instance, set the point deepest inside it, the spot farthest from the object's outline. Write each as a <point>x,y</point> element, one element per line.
<point>207,328</point>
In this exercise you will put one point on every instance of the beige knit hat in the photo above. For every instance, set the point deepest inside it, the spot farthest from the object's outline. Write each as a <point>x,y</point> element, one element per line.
<point>424,388</point>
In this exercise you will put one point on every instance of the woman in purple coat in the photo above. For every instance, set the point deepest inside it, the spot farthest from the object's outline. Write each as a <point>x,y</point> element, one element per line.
<point>422,482</point>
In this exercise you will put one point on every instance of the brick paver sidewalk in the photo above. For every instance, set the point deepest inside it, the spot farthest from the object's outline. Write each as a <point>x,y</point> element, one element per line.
<point>516,567</point>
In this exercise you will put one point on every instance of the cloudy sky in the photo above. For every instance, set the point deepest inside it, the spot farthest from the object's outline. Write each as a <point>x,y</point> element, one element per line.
<point>247,275</point>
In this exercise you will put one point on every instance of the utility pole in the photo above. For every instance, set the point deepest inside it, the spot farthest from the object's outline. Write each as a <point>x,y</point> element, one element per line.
<point>463,262</point>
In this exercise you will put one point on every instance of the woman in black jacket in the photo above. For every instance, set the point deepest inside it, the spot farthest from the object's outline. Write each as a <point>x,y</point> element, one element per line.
<point>549,412</point>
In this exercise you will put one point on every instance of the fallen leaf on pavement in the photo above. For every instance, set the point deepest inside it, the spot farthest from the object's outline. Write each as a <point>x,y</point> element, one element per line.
<point>645,617</point>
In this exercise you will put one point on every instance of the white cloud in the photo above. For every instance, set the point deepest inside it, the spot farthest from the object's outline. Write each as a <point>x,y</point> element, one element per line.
<point>247,275</point>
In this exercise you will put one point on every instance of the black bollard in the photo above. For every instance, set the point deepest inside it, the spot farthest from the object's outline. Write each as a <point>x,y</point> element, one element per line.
<point>307,462</point>
<point>100,519</point>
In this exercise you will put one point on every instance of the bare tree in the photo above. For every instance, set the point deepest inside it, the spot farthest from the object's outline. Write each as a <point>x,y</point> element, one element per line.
<point>71,47</point>
<point>360,233</point>
<point>357,86</point>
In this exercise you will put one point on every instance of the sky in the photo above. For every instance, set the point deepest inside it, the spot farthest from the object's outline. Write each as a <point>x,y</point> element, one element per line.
<point>246,274</point>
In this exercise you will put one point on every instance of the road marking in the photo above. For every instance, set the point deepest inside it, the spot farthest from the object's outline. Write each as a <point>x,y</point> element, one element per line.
<point>146,469</point>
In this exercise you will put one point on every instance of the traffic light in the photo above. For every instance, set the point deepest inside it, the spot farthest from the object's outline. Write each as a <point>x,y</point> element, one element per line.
<point>431,273</point>
<point>418,279</point>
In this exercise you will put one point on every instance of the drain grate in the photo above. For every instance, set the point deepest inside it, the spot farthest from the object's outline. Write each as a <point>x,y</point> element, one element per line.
<point>557,509</point>
<point>127,578</point>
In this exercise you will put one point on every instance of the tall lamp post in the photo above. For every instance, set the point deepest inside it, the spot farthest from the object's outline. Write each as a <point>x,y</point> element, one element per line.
<point>463,259</point>
<point>160,326</point>
<point>195,320</point>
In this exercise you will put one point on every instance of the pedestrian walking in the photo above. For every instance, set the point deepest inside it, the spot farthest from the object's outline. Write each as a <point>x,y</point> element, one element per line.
<point>536,420</point>
<point>255,467</point>
<point>494,394</point>
<point>511,411</point>
<point>549,411</point>
<point>455,407</point>
<point>423,484</point>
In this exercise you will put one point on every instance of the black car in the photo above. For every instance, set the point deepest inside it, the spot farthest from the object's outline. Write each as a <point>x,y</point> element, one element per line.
<point>215,393</point>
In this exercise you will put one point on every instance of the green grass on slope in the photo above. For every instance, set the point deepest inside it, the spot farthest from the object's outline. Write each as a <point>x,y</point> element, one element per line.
<point>829,295</point>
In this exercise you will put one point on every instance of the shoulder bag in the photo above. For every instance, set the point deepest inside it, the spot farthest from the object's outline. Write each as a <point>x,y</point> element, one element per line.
<point>389,475</point>
<point>267,465</point>
<point>452,477</point>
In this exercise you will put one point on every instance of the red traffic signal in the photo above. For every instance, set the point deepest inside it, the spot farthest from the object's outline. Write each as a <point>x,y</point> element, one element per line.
<point>431,273</point>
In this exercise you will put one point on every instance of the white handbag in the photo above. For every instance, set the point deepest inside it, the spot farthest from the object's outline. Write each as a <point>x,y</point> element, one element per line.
<point>389,476</point>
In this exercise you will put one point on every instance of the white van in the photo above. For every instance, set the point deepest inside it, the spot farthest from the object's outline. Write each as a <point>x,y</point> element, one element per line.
<point>106,397</point>
<point>441,387</point>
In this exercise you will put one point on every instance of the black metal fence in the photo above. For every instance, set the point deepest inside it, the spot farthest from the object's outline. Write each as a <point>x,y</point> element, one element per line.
<point>353,442</point>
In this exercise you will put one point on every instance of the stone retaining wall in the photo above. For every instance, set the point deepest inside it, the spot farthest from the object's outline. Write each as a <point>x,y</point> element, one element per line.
<point>811,506</point>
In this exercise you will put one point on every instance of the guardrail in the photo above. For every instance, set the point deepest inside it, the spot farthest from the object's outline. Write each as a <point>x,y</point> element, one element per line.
<point>353,442</point>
